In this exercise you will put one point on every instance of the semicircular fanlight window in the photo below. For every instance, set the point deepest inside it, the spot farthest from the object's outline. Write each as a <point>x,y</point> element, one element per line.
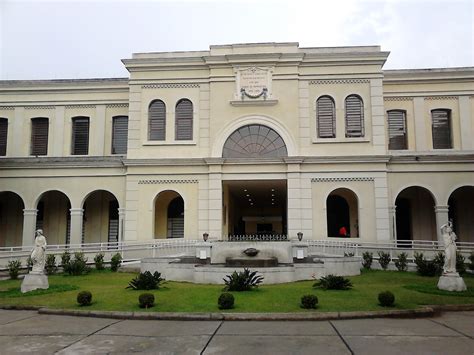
<point>254,141</point>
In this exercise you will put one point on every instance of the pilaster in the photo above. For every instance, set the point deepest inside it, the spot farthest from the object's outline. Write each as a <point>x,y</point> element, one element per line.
<point>76,225</point>
<point>441,218</point>
<point>29,225</point>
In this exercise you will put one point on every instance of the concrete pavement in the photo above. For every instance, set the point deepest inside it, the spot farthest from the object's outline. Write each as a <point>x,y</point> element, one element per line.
<point>27,331</point>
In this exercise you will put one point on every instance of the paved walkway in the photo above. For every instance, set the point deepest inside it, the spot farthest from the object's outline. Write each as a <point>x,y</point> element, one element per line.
<point>27,331</point>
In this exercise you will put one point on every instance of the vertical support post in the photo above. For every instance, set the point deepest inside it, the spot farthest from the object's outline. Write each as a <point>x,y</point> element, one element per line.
<point>441,218</point>
<point>29,226</point>
<point>76,225</point>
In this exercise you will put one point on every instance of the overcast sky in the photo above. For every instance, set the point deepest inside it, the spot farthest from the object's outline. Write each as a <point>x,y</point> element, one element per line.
<point>85,39</point>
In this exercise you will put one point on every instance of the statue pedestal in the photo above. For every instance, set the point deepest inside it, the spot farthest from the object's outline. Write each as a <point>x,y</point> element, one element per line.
<point>451,282</point>
<point>34,281</point>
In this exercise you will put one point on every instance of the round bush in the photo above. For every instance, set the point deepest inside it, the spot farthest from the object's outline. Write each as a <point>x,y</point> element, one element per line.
<point>84,298</point>
<point>226,301</point>
<point>146,300</point>
<point>386,299</point>
<point>309,301</point>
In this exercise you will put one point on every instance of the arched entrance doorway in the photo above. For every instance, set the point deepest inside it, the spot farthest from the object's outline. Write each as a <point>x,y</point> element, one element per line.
<point>415,214</point>
<point>11,219</point>
<point>461,213</point>
<point>100,221</point>
<point>169,215</point>
<point>342,213</point>
<point>54,217</point>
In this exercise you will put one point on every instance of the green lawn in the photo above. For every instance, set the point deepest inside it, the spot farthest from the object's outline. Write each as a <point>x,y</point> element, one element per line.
<point>109,293</point>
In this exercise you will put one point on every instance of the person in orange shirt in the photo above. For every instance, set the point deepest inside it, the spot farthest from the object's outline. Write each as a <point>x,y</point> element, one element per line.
<point>343,232</point>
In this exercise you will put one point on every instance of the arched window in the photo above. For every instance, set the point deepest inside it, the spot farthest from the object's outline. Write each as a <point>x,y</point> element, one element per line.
<point>3,136</point>
<point>326,117</point>
<point>119,134</point>
<point>254,141</point>
<point>157,121</point>
<point>184,120</point>
<point>441,128</point>
<point>80,136</point>
<point>39,136</point>
<point>354,108</point>
<point>397,129</point>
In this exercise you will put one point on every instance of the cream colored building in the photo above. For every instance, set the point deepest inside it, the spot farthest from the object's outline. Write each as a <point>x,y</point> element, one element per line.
<point>265,139</point>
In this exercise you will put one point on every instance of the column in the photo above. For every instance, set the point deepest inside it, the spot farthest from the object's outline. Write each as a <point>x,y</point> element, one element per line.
<point>215,198</point>
<point>121,214</point>
<point>29,226</point>
<point>76,225</point>
<point>441,218</point>
<point>294,199</point>
<point>392,213</point>
<point>382,219</point>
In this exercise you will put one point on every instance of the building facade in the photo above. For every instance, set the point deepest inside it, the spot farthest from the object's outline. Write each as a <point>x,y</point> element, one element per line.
<point>261,139</point>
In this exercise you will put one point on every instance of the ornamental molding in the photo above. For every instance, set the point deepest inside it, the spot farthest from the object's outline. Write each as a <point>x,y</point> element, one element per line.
<point>39,107</point>
<point>170,181</point>
<point>170,86</point>
<point>399,98</point>
<point>79,106</point>
<point>343,179</point>
<point>441,98</point>
<point>339,81</point>
<point>7,107</point>
<point>116,105</point>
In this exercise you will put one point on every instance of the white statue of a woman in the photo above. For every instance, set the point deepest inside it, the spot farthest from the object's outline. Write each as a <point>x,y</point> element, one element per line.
<point>38,255</point>
<point>449,239</point>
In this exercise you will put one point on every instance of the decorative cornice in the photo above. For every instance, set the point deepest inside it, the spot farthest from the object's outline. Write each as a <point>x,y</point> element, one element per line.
<point>398,98</point>
<point>62,162</point>
<point>339,81</point>
<point>39,107</point>
<point>7,107</point>
<point>342,179</point>
<point>79,106</point>
<point>170,86</point>
<point>442,98</point>
<point>116,105</point>
<point>168,181</point>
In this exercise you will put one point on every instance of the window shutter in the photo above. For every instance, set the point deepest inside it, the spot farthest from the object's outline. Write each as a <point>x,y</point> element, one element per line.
<point>157,121</point>
<point>39,136</point>
<point>354,116</point>
<point>184,120</point>
<point>397,132</point>
<point>326,117</point>
<point>3,136</point>
<point>119,135</point>
<point>441,129</point>
<point>80,136</point>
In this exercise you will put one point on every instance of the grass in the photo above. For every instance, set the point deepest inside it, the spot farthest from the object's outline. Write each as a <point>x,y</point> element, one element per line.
<point>109,293</point>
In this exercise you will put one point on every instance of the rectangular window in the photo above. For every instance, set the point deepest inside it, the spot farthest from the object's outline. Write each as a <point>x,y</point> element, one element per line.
<point>119,135</point>
<point>3,136</point>
<point>80,136</point>
<point>39,136</point>
<point>397,131</point>
<point>441,129</point>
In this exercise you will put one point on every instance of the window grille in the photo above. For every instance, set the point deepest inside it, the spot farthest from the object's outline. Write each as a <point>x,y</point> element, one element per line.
<point>157,121</point>
<point>397,130</point>
<point>80,136</point>
<point>441,128</point>
<point>184,120</point>
<point>326,117</point>
<point>354,108</point>
<point>3,136</point>
<point>39,136</point>
<point>119,134</point>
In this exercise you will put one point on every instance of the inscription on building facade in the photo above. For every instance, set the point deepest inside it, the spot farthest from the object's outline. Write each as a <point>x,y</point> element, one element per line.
<point>253,83</point>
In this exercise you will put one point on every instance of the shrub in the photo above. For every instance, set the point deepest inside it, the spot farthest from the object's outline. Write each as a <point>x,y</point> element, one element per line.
<point>438,260</point>
<point>333,282</point>
<point>367,258</point>
<point>99,261</point>
<point>84,298</point>
<point>309,301</point>
<point>402,262</point>
<point>78,265</point>
<point>425,267</point>
<point>471,259</point>
<point>146,300</point>
<point>146,281</point>
<point>386,299</point>
<point>460,265</point>
<point>14,268</point>
<point>384,259</point>
<point>115,262</point>
<point>50,264</point>
<point>242,281</point>
<point>65,258</point>
<point>226,301</point>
